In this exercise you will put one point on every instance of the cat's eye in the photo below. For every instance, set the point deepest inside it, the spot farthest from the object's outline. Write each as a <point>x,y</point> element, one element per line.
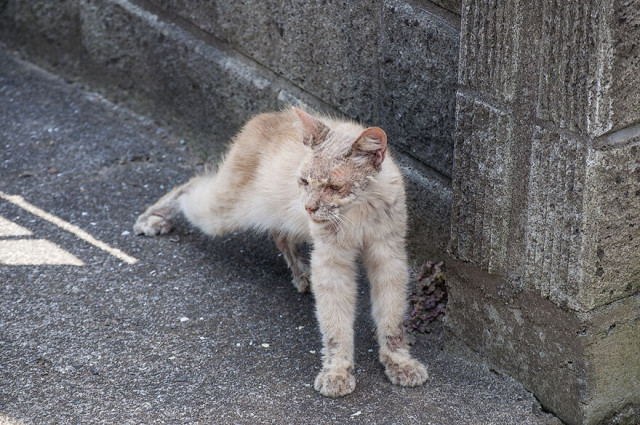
<point>303,182</point>
<point>335,187</point>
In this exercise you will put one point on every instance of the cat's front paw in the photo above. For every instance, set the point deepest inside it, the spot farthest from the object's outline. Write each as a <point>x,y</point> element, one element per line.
<point>152,225</point>
<point>335,383</point>
<point>407,372</point>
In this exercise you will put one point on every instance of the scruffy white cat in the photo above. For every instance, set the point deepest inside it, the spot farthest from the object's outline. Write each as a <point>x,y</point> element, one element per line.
<point>328,182</point>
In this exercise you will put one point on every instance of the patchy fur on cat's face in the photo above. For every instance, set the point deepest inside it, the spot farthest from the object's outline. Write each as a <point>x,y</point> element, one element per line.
<point>338,170</point>
<point>329,188</point>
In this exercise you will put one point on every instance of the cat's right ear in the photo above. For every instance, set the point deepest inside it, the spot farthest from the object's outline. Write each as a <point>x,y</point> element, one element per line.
<point>315,129</point>
<point>371,147</point>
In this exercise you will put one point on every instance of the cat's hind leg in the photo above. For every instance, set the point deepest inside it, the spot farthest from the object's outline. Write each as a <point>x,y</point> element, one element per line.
<point>295,261</point>
<point>208,202</point>
<point>157,219</point>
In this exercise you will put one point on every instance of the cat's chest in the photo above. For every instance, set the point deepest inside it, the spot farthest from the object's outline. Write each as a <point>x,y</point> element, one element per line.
<point>357,227</point>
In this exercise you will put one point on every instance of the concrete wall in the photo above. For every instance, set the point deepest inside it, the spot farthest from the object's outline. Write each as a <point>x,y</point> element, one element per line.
<point>206,67</point>
<point>545,275</point>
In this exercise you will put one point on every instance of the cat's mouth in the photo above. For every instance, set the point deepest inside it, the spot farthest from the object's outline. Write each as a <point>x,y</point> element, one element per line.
<point>319,220</point>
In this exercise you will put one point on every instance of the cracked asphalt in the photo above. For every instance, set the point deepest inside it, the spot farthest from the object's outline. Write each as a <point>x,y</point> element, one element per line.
<point>198,330</point>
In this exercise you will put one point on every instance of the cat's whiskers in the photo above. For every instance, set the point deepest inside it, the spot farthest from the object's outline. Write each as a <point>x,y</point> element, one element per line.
<point>340,221</point>
<point>344,218</point>
<point>335,222</point>
<point>338,224</point>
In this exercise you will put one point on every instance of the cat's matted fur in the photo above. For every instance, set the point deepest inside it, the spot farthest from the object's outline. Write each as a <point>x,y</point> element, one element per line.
<point>328,182</point>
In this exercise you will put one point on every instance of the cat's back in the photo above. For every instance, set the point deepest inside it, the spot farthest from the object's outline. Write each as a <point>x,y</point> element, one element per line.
<point>266,138</point>
<point>268,131</point>
<point>271,130</point>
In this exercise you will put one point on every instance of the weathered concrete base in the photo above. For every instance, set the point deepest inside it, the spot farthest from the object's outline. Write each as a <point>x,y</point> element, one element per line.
<point>581,366</point>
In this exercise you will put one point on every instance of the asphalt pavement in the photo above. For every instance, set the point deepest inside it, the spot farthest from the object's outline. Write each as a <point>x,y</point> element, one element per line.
<point>98,326</point>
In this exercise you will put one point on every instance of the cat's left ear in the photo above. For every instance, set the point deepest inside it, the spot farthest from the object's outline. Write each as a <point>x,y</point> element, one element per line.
<point>371,146</point>
<point>316,130</point>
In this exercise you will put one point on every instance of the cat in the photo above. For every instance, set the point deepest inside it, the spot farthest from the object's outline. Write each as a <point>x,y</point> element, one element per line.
<point>329,182</point>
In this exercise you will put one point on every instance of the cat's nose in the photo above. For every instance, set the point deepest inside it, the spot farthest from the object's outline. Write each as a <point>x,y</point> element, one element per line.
<point>311,210</point>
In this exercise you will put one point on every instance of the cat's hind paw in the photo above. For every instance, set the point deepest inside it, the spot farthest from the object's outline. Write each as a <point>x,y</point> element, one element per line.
<point>302,283</point>
<point>152,225</point>
<point>335,383</point>
<point>408,373</point>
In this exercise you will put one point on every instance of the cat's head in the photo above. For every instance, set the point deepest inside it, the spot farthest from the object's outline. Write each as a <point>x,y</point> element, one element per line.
<point>339,169</point>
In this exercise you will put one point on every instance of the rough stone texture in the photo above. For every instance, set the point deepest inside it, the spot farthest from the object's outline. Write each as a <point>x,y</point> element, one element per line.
<point>429,210</point>
<point>328,49</point>
<point>587,90</point>
<point>418,63</point>
<point>542,345</point>
<point>583,220</point>
<point>578,189</point>
<point>205,67</point>
<point>555,221</point>
<point>625,89</point>
<point>546,202</point>
<point>575,86</point>
<point>478,67</point>
<point>612,225</point>
<point>483,184</point>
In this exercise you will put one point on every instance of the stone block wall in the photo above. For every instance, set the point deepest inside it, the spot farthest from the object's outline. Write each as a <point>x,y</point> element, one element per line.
<point>545,239</point>
<point>205,67</point>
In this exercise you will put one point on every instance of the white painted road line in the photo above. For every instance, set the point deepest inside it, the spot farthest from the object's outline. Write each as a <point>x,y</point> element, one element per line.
<point>65,225</point>
<point>9,228</point>
<point>29,252</point>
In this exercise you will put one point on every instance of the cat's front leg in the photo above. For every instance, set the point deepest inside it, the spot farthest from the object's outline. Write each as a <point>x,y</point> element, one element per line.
<point>334,287</point>
<point>385,261</point>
